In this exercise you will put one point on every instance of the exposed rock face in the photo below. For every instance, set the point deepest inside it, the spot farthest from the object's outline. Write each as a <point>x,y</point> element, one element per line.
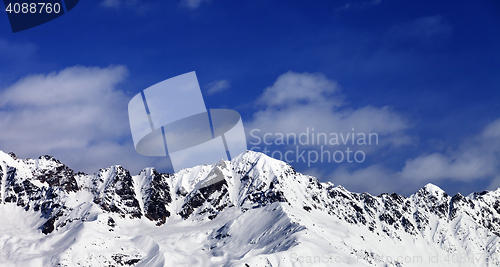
<point>114,192</point>
<point>209,196</point>
<point>156,196</point>
<point>51,171</point>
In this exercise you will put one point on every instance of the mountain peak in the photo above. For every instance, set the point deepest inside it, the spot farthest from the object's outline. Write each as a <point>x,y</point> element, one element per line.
<point>433,189</point>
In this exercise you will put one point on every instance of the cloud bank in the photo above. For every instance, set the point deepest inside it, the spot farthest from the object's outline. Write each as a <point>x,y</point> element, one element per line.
<point>297,101</point>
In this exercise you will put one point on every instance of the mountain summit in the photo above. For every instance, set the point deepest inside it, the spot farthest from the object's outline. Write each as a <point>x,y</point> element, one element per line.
<point>251,211</point>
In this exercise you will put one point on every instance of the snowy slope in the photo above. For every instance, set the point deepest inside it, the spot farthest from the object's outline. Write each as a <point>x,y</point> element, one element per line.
<point>250,211</point>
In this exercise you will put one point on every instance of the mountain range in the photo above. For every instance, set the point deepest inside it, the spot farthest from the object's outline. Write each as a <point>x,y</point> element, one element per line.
<point>251,211</point>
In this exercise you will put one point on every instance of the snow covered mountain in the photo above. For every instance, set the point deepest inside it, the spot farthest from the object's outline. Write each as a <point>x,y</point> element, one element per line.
<point>250,211</point>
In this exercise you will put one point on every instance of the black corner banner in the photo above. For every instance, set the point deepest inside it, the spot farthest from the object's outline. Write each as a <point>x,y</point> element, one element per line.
<point>25,14</point>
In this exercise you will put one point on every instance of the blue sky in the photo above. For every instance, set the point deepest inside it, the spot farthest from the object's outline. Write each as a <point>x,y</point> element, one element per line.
<point>424,75</point>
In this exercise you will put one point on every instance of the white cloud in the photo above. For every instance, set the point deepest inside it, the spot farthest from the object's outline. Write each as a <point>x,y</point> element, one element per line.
<point>374,179</point>
<point>292,88</point>
<point>477,158</point>
<point>192,4</point>
<point>438,166</point>
<point>77,115</point>
<point>70,86</point>
<point>218,86</point>
<point>297,101</point>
